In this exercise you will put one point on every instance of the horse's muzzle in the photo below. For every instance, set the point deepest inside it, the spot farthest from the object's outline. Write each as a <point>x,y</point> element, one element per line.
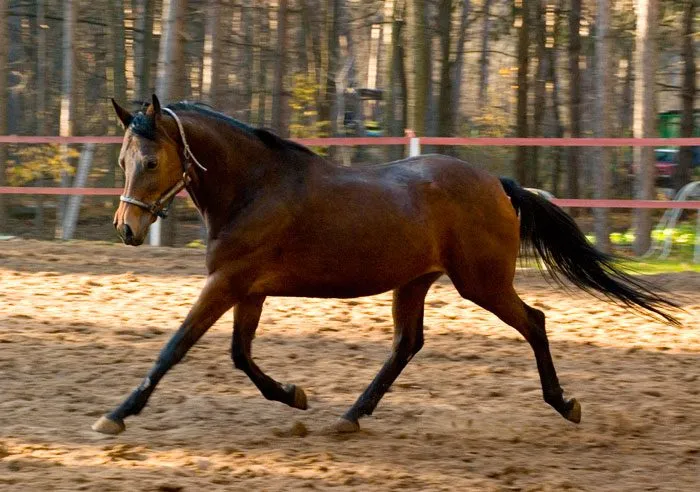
<point>127,235</point>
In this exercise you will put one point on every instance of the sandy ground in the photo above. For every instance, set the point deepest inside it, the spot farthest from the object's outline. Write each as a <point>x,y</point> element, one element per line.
<point>80,324</point>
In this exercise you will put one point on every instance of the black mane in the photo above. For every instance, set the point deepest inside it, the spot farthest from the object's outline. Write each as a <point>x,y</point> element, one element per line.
<point>143,126</point>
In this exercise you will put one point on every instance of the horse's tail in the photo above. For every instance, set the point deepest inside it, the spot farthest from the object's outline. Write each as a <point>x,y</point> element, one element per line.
<point>550,234</point>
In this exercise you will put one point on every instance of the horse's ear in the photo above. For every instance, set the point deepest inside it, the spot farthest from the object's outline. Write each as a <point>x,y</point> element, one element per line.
<point>124,116</point>
<point>154,109</point>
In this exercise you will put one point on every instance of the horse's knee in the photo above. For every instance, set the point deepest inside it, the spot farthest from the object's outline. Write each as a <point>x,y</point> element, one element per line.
<point>535,316</point>
<point>536,331</point>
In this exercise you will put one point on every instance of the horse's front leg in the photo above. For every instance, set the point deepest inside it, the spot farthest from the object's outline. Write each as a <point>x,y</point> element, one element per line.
<point>246,316</point>
<point>215,299</point>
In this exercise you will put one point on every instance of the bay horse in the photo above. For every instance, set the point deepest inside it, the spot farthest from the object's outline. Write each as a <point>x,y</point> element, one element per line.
<point>283,221</point>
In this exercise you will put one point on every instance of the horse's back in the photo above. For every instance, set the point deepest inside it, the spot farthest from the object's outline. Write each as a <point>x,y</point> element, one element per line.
<point>451,174</point>
<point>449,184</point>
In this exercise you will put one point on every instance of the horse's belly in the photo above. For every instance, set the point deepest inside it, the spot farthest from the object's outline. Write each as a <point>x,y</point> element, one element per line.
<point>343,276</point>
<point>323,290</point>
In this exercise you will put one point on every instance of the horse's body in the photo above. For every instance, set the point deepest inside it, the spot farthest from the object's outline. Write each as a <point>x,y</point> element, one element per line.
<point>333,232</point>
<point>282,221</point>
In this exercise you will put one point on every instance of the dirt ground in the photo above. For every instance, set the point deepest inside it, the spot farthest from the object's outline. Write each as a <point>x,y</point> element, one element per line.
<point>80,324</point>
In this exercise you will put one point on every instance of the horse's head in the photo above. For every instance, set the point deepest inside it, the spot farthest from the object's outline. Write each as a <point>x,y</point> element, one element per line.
<point>152,168</point>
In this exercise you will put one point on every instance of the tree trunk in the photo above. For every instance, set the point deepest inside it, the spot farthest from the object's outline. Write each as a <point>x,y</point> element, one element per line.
<point>343,80</point>
<point>17,55</point>
<point>559,130</point>
<point>644,121</point>
<point>445,97</point>
<point>3,108</point>
<point>421,66</point>
<point>403,75</point>
<point>248,25</point>
<point>685,158</point>
<point>484,58</point>
<point>171,54</point>
<point>357,154</point>
<point>118,50</point>
<point>327,106</point>
<point>260,95</point>
<point>311,42</point>
<point>143,47</point>
<point>556,104</point>
<point>66,118</point>
<point>602,78</point>
<point>169,87</point>
<point>332,64</point>
<point>211,60</point>
<point>540,87</point>
<point>395,110</point>
<point>574,97</point>
<point>41,83</point>
<point>521,156</point>
<point>457,67</point>
<point>119,74</point>
<point>626,103</point>
<point>280,98</point>
<point>328,59</point>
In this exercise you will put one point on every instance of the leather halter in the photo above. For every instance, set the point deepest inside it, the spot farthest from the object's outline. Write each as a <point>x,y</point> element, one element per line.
<point>160,207</point>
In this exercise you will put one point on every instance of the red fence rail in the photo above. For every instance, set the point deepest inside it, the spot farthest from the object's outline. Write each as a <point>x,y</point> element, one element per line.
<point>380,141</point>
<point>561,142</point>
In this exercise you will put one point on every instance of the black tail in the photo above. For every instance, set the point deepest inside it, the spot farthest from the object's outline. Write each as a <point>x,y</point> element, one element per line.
<point>550,234</point>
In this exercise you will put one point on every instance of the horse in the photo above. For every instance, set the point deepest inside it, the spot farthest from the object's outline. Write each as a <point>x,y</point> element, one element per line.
<point>284,221</point>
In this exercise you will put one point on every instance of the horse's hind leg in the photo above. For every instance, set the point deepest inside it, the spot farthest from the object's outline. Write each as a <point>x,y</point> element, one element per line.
<point>408,340</point>
<point>530,323</point>
<point>246,316</point>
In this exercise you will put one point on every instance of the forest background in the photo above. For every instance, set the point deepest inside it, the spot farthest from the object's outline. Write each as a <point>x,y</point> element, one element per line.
<point>313,68</point>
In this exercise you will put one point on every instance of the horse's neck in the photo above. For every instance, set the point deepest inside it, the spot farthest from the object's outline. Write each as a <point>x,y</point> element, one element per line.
<point>236,167</point>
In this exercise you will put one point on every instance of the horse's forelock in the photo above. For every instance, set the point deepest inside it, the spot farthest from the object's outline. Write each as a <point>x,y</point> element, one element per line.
<point>143,126</point>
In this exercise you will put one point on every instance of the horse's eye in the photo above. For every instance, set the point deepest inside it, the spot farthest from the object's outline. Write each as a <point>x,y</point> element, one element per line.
<point>151,164</point>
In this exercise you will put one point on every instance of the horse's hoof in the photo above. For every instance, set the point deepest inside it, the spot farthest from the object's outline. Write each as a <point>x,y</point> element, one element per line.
<point>105,425</point>
<point>299,400</point>
<point>344,426</point>
<point>574,413</point>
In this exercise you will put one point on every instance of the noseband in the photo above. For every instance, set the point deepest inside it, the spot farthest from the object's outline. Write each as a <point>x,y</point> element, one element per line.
<point>160,207</point>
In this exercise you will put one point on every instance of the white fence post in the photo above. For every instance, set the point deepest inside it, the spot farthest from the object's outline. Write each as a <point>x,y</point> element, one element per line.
<point>154,233</point>
<point>414,147</point>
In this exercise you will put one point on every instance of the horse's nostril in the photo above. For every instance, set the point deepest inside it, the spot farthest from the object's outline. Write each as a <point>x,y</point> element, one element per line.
<point>128,234</point>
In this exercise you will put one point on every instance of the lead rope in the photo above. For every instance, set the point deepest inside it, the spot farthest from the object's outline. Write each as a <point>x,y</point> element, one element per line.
<point>188,153</point>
